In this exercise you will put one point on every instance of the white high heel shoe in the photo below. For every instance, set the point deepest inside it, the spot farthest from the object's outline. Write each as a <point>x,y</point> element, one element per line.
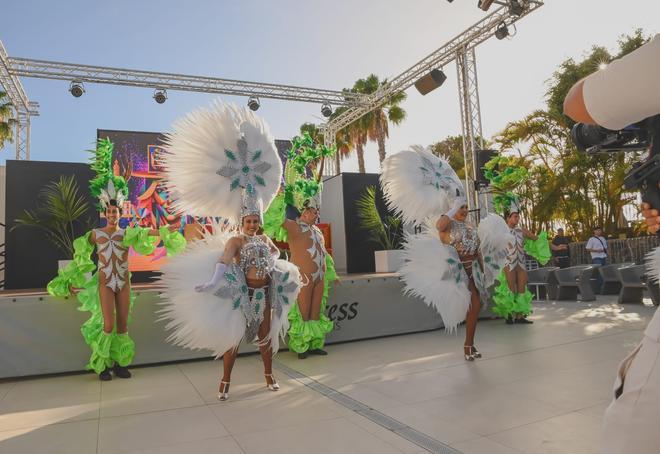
<point>272,386</point>
<point>223,391</point>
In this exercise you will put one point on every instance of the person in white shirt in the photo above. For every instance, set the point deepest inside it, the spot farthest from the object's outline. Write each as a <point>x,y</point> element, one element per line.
<point>597,247</point>
<point>625,92</point>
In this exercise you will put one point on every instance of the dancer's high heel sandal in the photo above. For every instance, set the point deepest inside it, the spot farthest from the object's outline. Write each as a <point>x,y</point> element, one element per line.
<point>223,391</point>
<point>470,353</point>
<point>274,386</point>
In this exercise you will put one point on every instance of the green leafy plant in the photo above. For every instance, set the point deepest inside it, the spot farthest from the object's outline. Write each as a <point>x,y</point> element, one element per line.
<point>385,232</point>
<point>60,207</point>
<point>7,120</point>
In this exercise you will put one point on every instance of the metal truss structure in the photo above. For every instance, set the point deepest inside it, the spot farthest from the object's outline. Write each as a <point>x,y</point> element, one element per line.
<point>23,107</point>
<point>12,68</point>
<point>168,81</point>
<point>460,49</point>
<point>468,95</point>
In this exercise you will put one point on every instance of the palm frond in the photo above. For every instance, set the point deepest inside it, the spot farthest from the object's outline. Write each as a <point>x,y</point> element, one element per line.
<point>59,206</point>
<point>387,233</point>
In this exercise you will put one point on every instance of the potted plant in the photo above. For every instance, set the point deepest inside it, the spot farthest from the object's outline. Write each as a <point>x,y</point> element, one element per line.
<point>60,209</point>
<point>386,231</point>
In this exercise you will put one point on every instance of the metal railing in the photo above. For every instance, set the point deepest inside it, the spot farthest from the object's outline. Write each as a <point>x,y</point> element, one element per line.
<point>618,250</point>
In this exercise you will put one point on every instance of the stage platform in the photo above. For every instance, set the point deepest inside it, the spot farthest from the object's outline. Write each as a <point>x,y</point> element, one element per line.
<point>539,388</point>
<point>40,334</point>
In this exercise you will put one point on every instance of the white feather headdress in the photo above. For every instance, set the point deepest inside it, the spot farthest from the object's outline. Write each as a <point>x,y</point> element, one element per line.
<point>110,193</point>
<point>215,155</point>
<point>418,184</point>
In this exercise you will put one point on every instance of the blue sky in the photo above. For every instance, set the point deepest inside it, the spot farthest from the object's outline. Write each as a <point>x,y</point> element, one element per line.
<point>312,43</point>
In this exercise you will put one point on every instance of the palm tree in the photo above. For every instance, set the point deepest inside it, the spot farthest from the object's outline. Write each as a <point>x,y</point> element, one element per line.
<point>344,144</point>
<point>342,141</point>
<point>376,123</point>
<point>6,120</point>
<point>358,134</point>
<point>314,132</point>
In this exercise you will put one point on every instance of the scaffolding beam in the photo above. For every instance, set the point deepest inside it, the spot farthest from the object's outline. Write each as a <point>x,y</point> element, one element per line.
<point>462,43</point>
<point>468,96</point>
<point>23,107</point>
<point>71,72</point>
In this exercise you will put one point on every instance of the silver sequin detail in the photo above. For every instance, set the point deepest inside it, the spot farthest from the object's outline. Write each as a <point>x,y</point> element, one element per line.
<point>464,238</point>
<point>515,252</point>
<point>255,253</point>
<point>316,251</point>
<point>112,258</point>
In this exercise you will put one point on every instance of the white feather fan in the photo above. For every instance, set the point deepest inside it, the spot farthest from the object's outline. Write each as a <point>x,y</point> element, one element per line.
<point>205,167</point>
<point>198,320</point>
<point>418,184</point>
<point>432,272</point>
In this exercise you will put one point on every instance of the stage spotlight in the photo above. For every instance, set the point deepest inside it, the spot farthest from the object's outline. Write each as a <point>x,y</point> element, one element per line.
<point>431,81</point>
<point>326,110</point>
<point>160,96</point>
<point>253,103</point>
<point>502,31</point>
<point>77,89</point>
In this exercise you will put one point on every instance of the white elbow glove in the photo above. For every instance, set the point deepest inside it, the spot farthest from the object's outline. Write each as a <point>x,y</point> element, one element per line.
<point>458,203</point>
<point>220,269</point>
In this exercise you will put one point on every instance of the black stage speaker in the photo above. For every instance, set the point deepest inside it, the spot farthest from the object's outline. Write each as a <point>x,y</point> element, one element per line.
<point>431,81</point>
<point>483,156</point>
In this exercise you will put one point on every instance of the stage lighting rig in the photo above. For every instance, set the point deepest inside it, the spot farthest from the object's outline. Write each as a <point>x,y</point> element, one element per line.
<point>516,7</point>
<point>502,31</point>
<point>76,89</point>
<point>253,103</point>
<point>160,96</point>
<point>326,110</point>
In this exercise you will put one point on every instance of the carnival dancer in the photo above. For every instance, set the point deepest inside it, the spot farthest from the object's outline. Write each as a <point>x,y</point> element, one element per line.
<point>292,218</point>
<point>107,294</point>
<point>450,265</point>
<point>513,301</point>
<point>223,162</point>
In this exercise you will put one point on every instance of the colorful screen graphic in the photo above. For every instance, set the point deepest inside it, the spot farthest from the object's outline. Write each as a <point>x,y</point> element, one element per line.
<point>136,158</point>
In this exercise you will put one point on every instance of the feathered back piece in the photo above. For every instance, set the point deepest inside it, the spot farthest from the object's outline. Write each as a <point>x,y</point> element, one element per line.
<point>417,184</point>
<point>218,158</point>
<point>106,186</point>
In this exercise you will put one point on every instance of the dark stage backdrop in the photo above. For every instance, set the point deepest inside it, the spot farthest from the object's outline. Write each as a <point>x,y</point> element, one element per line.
<point>359,249</point>
<point>31,260</point>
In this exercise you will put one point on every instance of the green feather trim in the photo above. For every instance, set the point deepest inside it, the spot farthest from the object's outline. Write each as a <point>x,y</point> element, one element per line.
<point>102,165</point>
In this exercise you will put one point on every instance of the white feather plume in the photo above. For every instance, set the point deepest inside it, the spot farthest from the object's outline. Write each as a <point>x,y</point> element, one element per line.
<point>427,275</point>
<point>195,152</point>
<point>199,320</point>
<point>418,184</point>
<point>279,324</point>
<point>494,238</point>
<point>203,321</point>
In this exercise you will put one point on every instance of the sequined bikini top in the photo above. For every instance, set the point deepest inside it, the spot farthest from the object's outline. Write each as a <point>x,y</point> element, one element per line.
<point>464,238</point>
<point>255,253</point>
